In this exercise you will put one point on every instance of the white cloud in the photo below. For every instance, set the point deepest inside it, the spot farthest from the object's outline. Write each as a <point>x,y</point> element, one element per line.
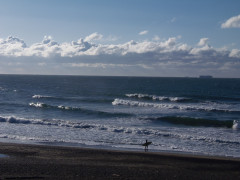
<point>233,22</point>
<point>203,42</point>
<point>235,53</point>
<point>48,47</point>
<point>12,46</point>
<point>205,50</point>
<point>170,42</point>
<point>94,37</point>
<point>143,32</point>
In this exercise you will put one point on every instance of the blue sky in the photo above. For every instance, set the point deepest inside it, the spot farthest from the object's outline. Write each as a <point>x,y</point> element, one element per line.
<point>127,37</point>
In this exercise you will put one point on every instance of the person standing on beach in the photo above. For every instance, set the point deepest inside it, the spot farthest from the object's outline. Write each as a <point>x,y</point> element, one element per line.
<point>146,145</point>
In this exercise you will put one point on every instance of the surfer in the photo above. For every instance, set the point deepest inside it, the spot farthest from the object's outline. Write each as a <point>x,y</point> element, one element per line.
<point>146,145</point>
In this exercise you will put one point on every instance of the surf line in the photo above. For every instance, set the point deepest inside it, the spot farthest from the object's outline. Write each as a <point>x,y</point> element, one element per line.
<point>146,144</point>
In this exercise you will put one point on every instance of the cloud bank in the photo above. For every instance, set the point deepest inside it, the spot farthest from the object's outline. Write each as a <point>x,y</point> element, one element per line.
<point>146,58</point>
<point>233,22</point>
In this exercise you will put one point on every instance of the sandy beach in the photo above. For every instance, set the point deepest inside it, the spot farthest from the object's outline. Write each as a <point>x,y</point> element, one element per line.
<point>54,162</point>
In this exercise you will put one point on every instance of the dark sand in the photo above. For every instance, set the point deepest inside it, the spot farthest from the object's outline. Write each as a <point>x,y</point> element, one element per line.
<point>50,162</point>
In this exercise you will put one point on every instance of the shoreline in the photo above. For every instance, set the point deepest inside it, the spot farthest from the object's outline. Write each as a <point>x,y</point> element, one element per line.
<point>30,161</point>
<point>133,150</point>
<point>107,148</point>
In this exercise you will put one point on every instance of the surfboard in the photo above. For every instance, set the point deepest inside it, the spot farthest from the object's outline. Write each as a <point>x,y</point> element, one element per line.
<point>147,143</point>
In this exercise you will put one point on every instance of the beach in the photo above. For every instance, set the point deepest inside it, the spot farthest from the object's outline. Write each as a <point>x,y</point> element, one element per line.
<point>54,162</point>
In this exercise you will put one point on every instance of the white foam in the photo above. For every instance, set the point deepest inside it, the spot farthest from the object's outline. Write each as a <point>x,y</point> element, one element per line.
<point>43,105</point>
<point>146,104</point>
<point>37,104</point>
<point>65,107</point>
<point>236,124</point>
<point>70,124</point>
<point>192,107</point>
<point>154,97</point>
<point>52,122</point>
<point>135,103</point>
<point>39,96</point>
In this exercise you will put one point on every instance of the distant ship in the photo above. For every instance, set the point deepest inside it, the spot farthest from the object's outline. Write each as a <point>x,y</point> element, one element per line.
<point>205,77</point>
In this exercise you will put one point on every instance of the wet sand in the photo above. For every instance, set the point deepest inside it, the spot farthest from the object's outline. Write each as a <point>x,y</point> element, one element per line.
<point>54,162</point>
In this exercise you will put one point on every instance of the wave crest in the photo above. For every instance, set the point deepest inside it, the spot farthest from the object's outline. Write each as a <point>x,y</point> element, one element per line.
<point>159,98</point>
<point>40,96</point>
<point>173,106</point>
<point>15,120</point>
<point>81,110</point>
<point>40,105</point>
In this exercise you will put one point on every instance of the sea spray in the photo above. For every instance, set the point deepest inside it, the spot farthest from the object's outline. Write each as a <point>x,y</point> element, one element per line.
<point>236,124</point>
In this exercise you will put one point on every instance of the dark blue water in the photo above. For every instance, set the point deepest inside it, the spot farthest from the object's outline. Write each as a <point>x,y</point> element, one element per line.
<point>177,114</point>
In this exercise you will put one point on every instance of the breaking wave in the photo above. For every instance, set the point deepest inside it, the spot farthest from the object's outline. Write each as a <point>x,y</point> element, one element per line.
<point>159,98</point>
<point>41,96</point>
<point>236,124</point>
<point>80,110</point>
<point>173,106</point>
<point>40,105</point>
<point>70,124</point>
<point>115,129</point>
<point>15,120</point>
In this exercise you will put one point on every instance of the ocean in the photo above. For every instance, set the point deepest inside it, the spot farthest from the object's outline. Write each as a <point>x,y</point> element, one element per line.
<point>182,115</point>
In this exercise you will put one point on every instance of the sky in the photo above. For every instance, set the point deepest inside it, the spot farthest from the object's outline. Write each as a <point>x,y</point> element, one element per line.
<point>164,38</point>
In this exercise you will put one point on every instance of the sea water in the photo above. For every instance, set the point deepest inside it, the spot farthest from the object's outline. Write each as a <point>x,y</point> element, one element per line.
<point>186,115</point>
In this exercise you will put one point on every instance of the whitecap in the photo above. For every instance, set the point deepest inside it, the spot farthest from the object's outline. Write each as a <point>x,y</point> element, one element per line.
<point>36,104</point>
<point>189,107</point>
<point>155,97</point>
<point>39,96</point>
<point>236,124</point>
